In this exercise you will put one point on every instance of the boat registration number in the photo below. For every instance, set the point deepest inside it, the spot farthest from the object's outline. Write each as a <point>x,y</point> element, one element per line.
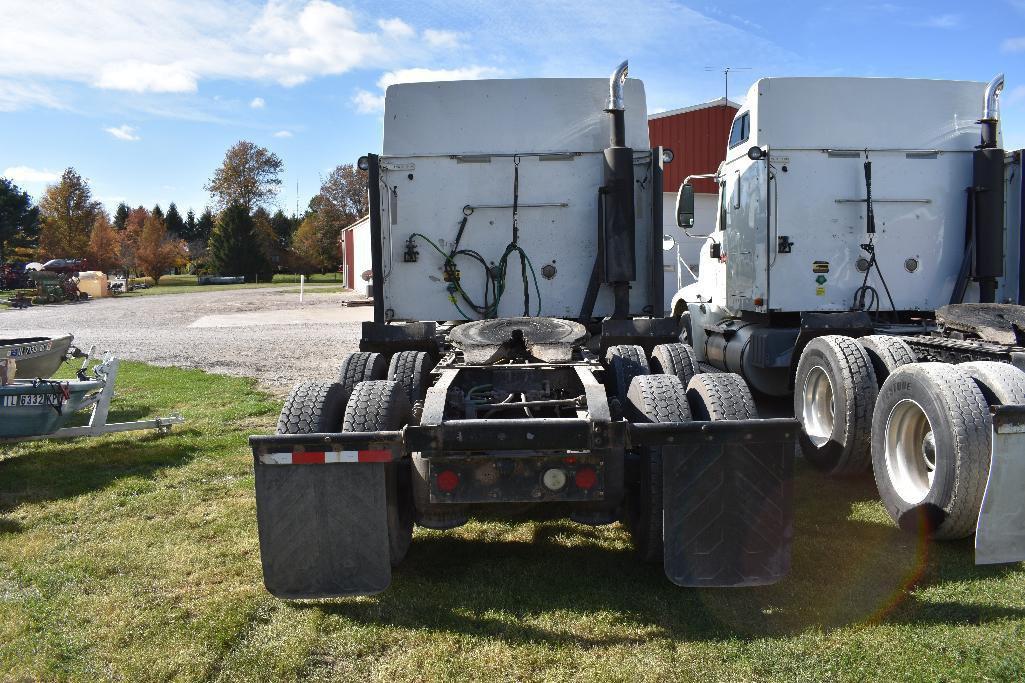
<point>31,400</point>
<point>29,349</point>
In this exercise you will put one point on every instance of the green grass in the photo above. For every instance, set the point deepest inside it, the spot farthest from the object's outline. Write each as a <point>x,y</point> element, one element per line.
<point>135,557</point>
<point>186,284</point>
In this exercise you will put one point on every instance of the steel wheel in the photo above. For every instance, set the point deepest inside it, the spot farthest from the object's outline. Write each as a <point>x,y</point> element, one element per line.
<point>817,406</point>
<point>910,451</point>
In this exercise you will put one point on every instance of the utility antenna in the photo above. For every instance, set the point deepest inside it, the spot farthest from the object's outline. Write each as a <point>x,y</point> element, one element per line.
<point>296,199</point>
<point>726,76</point>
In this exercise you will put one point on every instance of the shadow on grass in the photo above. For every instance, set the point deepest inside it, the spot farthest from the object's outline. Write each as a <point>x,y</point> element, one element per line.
<point>548,587</point>
<point>54,470</point>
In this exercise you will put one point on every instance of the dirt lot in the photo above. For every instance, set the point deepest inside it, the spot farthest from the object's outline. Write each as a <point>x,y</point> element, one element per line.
<point>262,333</point>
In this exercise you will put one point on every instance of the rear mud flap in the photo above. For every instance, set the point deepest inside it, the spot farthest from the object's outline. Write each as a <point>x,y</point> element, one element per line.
<point>323,529</point>
<point>728,507</point>
<point>1000,534</point>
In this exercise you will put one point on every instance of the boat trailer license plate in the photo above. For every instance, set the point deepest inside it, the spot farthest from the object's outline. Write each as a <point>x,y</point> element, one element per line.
<point>31,400</point>
<point>30,349</point>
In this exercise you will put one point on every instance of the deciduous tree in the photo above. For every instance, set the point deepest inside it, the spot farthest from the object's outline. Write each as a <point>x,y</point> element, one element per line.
<point>67,212</point>
<point>248,176</point>
<point>157,251</point>
<point>306,247</point>
<point>104,250</point>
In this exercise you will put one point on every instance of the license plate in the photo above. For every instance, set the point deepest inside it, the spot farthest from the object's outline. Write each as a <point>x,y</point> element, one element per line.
<point>30,349</point>
<point>30,400</point>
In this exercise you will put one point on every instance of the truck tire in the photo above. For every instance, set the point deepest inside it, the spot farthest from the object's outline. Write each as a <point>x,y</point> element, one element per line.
<point>1001,384</point>
<point>834,392</point>
<point>887,353</point>
<point>675,359</point>
<point>411,369</point>
<point>931,449</point>
<point>652,398</point>
<point>312,408</point>
<point>624,362</point>
<point>720,396</point>
<point>381,405</point>
<point>361,366</point>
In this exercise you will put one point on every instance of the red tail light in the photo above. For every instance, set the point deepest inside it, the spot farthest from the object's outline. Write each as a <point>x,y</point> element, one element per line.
<point>447,481</point>
<point>585,478</point>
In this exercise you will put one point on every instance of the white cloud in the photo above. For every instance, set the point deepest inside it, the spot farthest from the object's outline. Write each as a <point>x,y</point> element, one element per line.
<point>367,102</point>
<point>258,103</point>
<point>442,39</point>
<point>396,27</point>
<point>15,96</point>
<point>123,132</point>
<point>942,21</point>
<point>283,134</point>
<point>172,46</point>
<point>1013,45</point>
<point>26,174</point>
<point>421,75</point>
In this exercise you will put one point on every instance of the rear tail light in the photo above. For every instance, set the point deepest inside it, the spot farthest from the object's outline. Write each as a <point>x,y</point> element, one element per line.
<point>585,478</point>
<point>447,481</point>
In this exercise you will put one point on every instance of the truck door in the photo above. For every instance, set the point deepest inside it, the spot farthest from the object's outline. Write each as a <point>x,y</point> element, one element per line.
<point>744,243</point>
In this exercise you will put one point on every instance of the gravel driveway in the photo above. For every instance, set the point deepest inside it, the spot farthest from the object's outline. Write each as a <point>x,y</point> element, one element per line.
<point>262,333</point>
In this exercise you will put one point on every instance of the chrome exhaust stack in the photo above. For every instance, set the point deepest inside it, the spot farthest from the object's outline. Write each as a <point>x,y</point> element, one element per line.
<point>990,118</point>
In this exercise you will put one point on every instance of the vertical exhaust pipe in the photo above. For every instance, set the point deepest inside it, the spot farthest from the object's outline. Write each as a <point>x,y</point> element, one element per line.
<point>618,238</point>
<point>988,194</point>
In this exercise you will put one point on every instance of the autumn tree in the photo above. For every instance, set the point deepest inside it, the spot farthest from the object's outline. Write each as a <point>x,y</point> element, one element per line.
<point>306,247</point>
<point>120,216</point>
<point>157,252</point>
<point>263,231</point>
<point>19,220</point>
<point>234,248</point>
<point>248,176</point>
<point>174,222</point>
<point>67,213</point>
<point>341,201</point>
<point>104,248</point>
<point>128,243</point>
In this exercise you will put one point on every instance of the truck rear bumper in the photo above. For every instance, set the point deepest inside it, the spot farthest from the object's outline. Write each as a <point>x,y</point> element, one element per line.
<point>727,494</point>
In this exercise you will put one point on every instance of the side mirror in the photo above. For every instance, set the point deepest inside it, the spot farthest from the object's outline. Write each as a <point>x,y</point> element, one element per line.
<point>685,207</point>
<point>756,153</point>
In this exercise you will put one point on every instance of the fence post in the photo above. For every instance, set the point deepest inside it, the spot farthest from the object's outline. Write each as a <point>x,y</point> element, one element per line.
<point>302,284</point>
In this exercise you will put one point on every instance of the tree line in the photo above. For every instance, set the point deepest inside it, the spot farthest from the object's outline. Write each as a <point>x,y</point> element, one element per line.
<point>237,235</point>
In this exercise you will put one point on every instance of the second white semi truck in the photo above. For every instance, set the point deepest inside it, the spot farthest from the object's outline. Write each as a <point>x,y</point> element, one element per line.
<point>866,261</point>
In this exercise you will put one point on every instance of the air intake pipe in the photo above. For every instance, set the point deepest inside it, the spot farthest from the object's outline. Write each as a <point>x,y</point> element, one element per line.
<point>617,202</point>
<point>988,193</point>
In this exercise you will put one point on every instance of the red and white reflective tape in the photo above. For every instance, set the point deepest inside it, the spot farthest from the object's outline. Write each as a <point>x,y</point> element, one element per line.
<point>324,457</point>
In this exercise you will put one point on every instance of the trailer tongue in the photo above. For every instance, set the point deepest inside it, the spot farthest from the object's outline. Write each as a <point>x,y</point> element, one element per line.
<point>566,392</point>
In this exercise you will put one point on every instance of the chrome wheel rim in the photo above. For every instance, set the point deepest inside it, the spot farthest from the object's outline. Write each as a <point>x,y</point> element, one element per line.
<point>817,406</point>
<point>910,451</point>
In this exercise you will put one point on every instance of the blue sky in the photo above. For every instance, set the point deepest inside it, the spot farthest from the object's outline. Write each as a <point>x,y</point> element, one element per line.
<point>143,97</point>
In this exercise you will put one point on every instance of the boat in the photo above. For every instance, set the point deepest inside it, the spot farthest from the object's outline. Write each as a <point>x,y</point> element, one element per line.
<point>35,357</point>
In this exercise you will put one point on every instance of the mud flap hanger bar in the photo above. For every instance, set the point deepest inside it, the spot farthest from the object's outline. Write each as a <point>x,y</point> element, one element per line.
<point>521,434</point>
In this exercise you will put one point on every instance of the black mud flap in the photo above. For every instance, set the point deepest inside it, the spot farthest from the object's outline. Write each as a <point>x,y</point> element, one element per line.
<point>728,505</point>
<point>323,529</point>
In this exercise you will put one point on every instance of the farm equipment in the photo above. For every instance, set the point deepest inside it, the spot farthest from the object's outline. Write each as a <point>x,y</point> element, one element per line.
<point>37,408</point>
<point>866,260</point>
<point>503,204</point>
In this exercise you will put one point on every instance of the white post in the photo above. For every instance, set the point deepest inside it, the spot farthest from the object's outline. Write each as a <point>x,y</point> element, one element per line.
<point>302,284</point>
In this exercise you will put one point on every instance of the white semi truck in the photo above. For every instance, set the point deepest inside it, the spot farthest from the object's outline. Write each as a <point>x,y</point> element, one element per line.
<point>866,260</point>
<point>518,356</point>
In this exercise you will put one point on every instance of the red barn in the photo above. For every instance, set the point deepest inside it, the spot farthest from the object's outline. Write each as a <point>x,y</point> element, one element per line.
<point>697,136</point>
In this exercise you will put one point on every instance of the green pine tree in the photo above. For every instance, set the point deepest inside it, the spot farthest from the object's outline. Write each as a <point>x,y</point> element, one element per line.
<point>234,247</point>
